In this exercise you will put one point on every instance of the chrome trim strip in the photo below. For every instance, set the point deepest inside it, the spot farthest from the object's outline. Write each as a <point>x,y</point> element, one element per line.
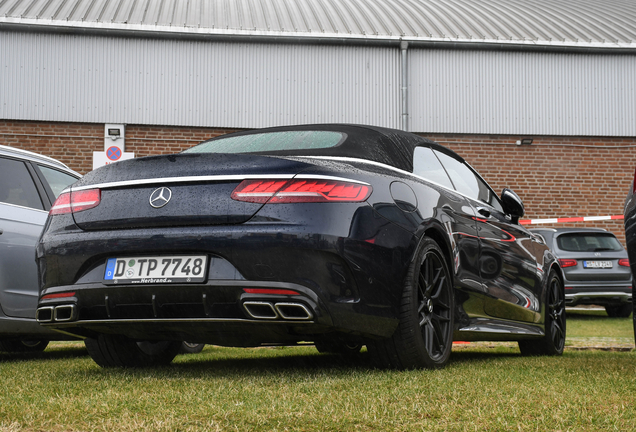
<point>23,207</point>
<point>500,329</point>
<point>401,171</point>
<point>210,178</point>
<point>599,294</point>
<point>327,177</point>
<point>87,323</point>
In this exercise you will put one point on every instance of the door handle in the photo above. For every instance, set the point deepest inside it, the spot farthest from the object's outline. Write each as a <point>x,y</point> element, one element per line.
<point>1,231</point>
<point>483,211</point>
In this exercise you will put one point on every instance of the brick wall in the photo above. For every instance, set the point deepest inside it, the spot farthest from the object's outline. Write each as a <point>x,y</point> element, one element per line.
<point>555,176</point>
<point>74,143</point>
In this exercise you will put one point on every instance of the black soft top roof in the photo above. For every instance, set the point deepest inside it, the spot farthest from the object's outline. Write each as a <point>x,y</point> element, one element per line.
<point>388,146</point>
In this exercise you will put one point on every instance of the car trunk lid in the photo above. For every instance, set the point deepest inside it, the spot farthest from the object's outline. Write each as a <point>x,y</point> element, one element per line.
<point>177,190</point>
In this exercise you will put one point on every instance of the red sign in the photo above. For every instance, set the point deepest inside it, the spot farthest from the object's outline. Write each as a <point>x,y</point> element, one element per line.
<point>113,153</point>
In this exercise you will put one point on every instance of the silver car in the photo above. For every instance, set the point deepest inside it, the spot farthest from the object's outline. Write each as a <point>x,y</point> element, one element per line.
<point>595,267</point>
<point>29,184</point>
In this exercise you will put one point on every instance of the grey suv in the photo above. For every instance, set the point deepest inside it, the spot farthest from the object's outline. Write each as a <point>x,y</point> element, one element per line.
<point>29,184</point>
<point>595,267</point>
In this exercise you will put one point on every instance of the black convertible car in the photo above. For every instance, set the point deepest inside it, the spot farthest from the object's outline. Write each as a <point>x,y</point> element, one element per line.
<point>342,235</point>
<point>630,238</point>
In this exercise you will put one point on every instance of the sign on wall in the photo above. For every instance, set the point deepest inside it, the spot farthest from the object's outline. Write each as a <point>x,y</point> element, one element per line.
<point>114,146</point>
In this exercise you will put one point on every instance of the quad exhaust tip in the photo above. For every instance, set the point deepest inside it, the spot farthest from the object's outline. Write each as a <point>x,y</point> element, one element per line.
<point>62,313</point>
<point>273,311</point>
<point>293,311</point>
<point>260,310</point>
<point>44,314</point>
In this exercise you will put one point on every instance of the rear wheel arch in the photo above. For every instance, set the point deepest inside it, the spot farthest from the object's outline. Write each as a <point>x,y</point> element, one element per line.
<point>441,239</point>
<point>559,273</point>
<point>424,335</point>
<point>553,341</point>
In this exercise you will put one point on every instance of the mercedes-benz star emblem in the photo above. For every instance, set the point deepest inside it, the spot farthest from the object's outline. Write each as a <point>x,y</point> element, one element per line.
<point>160,197</point>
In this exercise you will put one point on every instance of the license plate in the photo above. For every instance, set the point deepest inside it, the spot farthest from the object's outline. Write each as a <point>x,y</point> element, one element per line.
<point>156,269</point>
<point>597,264</point>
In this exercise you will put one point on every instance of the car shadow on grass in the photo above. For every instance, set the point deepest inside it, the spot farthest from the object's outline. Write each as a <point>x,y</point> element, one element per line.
<point>48,354</point>
<point>468,356</point>
<point>257,366</point>
<point>210,363</point>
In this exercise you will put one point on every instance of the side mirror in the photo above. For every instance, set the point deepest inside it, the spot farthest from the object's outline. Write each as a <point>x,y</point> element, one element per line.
<point>512,204</point>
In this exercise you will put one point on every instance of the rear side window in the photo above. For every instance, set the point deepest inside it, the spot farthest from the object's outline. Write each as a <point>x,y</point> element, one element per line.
<point>57,180</point>
<point>586,242</point>
<point>466,182</point>
<point>271,141</point>
<point>426,165</point>
<point>16,185</point>
<point>462,177</point>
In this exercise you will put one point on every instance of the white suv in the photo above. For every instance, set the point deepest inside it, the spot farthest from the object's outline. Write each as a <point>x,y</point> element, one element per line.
<point>29,184</point>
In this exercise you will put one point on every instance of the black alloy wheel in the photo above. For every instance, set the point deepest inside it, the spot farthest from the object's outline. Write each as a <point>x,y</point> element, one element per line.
<point>119,351</point>
<point>340,347</point>
<point>619,311</point>
<point>424,337</point>
<point>191,348</point>
<point>553,342</point>
<point>23,346</point>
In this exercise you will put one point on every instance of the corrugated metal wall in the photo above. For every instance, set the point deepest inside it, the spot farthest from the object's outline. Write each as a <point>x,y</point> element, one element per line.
<point>52,77</point>
<point>486,92</point>
<point>192,83</point>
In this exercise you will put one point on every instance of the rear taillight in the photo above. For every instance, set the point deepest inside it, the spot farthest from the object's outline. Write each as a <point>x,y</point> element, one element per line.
<point>58,295</point>
<point>623,262</point>
<point>270,291</point>
<point>62,204</point>
<point>300,191</point>
<point>73,202</point>
<point>567,263</point>
<point>634,184</point>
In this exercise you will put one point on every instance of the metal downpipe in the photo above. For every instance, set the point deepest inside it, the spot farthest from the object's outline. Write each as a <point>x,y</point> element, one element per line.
<point>404,46</point>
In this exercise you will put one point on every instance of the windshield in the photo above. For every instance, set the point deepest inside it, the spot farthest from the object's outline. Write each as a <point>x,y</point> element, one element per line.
<point>588,242</point>
<point>271,141</point>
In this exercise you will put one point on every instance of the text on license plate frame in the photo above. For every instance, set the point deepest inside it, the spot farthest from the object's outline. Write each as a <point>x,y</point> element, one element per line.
<point>162,269</point>
<point>598,264</point>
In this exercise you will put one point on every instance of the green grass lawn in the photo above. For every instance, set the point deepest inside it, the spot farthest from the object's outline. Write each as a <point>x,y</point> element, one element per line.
<point>484,388</point>
<point>594,328</point>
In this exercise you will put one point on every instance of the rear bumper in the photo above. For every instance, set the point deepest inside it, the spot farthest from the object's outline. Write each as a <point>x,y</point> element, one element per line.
<point>607,296</point>
<point>24,328</point>
<point>218,312</point>
<point>342,284</point>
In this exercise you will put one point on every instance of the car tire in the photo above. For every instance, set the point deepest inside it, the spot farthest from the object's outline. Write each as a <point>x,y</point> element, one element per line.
<point>620,311</point>
<point>424,336</point>
<point>553,342</point>
<point>119,351</point>
<point>23,346</point>
<point>344,348</point>
<point>191,348</point>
